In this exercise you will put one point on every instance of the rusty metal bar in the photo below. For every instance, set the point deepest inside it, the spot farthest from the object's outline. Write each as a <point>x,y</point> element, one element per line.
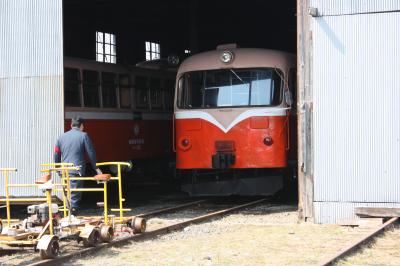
<point>354,246</point>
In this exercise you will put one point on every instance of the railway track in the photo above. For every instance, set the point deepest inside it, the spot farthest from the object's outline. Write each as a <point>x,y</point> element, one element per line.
<point>359,242</point>
<point>119,241</point>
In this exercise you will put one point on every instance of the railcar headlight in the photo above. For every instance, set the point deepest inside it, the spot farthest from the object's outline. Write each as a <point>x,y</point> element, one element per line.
<point>227,57</point>
<point>268,141</point>
<point>184,143</point>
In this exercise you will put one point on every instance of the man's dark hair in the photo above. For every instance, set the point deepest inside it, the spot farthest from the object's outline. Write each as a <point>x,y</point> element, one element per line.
<point>77,121</point>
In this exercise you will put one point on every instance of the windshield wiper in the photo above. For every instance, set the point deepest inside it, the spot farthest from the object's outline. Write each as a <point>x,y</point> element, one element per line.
<point>234,73</point>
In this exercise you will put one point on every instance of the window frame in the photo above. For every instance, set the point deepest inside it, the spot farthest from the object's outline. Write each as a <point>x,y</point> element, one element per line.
<point>97,84</point>
<point>140,105</point>
<point>183,93</point>
<point>127,87</point>
<point>113,91</point>
<point>101,40</point>
<point>152,50</point>
<point>77,82</point>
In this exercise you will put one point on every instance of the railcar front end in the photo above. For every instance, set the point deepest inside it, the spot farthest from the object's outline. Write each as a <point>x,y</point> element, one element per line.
<point>232,122</point>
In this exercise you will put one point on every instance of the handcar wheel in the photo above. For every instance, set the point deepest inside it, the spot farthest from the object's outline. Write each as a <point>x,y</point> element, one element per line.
<point>52,250</point>
<point>138,225</point>
<point>93,239</point>
<point>106,233</point>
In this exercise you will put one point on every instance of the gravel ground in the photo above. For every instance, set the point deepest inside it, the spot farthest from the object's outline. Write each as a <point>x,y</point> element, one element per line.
<point>264,235</point>
<point>28,256</point>
<point>385,250</point>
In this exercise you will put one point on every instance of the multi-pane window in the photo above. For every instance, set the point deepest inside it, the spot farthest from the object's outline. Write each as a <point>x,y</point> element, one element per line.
<point>72,87</point>
<point>155,93</point>
<point>109,89</point>
<point>141,88</point>
<point>106,50</point>
<point>169,86</point>
<point>152,51</point>
<point>91,88</point>
<point>124,91</point>
<point>230,87</point>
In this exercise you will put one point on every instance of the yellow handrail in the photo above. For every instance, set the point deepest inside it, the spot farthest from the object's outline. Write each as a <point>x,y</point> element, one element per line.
<point>64,197</point>
<point>6,172</point>
<point>56,164</point>
<point>119,178</point>
<point>113,163</point>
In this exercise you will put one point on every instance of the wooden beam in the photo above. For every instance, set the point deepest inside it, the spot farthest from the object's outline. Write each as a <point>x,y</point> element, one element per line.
<point>304,113</point>
<point>362,222</point>
<point>377,212</point>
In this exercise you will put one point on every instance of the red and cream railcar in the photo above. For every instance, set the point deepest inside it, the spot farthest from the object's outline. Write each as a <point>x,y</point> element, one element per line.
<point>127,109</point>
<point>232,113</point>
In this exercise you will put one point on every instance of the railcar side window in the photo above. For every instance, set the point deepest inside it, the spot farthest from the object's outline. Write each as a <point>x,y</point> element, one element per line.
<point>169,86</point>
<point>141,92</point>
<point>91,88</point>
<point>124,91</point>
<point>72,95</point>
<point>230,88</point>
<point>109,89</point>
<point>266,88</point>
<point>191,90</point>
<point>155,93</point>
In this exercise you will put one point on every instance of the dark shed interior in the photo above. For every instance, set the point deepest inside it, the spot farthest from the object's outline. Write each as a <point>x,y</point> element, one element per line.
<point>177,25</point>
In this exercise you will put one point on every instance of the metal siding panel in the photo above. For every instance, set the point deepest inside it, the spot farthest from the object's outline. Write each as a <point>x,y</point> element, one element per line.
<point>27,107</point>
<point>356,94</point>
<point>30,38</point>
<point>343,7</point>
<point>331,212</point>
<point>31,87</point>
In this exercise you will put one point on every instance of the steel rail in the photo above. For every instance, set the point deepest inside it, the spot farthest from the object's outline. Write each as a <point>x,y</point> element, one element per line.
<point>356,245</point>
<point>170,209</point>
<point>146,235</point>
<point>158,211</point>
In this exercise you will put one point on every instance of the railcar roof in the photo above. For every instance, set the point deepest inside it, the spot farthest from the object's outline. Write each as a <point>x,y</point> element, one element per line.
<point>72,62</point>
<point>243,58</point>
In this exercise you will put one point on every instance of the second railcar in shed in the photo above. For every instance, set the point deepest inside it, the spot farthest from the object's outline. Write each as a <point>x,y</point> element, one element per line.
<point>234,121</point>
<point>127,109</point>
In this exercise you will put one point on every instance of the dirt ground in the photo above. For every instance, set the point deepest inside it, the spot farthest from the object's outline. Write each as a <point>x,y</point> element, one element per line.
<point>384,251</point>
<point>263,235</point>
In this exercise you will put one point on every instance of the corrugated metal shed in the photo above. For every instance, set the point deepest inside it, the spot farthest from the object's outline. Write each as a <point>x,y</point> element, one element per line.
<point>343,7</point>
<point>31,87</point>
<point>355,62</point>
<point>330,212</point>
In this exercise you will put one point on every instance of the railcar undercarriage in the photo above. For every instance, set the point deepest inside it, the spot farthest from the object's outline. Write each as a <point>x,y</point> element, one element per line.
<point>245,182</point>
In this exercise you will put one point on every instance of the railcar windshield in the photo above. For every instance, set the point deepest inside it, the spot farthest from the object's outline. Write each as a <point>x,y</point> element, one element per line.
<point>229,88</point>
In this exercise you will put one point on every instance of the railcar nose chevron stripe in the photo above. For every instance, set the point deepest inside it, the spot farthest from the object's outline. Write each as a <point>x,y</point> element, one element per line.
<point>278,111</point>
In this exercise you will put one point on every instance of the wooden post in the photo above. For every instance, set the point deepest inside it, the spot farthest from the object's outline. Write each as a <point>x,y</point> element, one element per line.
<point>304,113</point>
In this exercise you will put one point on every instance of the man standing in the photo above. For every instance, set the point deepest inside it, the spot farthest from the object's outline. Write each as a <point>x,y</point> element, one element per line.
<point>70,148</point>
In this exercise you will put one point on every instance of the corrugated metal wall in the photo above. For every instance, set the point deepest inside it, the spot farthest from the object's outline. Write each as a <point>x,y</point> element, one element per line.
<point>31,87</point>
<point>330,212</point>
<point>342,7</point>
<point>356,96</point>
